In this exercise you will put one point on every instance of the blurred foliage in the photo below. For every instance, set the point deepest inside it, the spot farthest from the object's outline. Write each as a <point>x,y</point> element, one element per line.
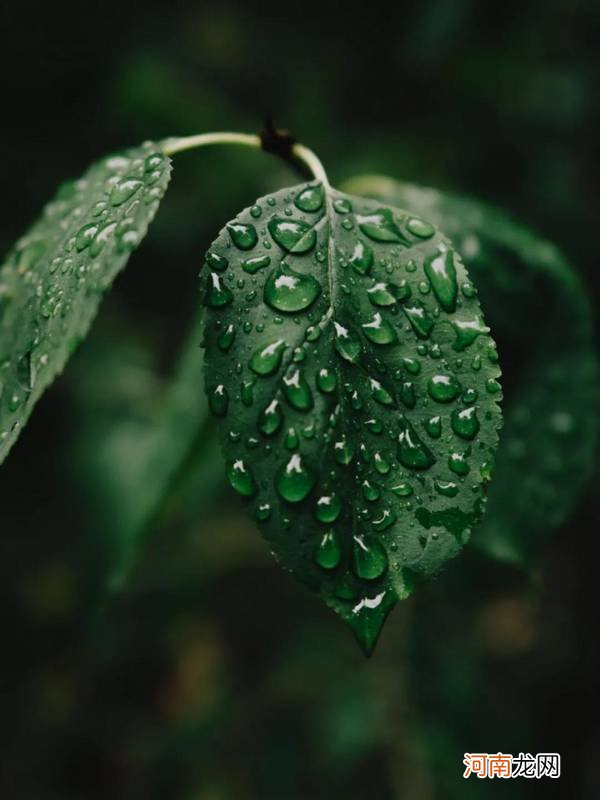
<point>213,676</point>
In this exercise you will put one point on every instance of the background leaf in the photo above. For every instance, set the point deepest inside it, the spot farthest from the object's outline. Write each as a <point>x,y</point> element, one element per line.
<point>54,277</point>
<point>356,386</point>
<point>541,318</point>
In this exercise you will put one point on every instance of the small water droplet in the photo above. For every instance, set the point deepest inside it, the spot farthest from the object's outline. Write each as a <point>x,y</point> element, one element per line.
<point>216,262</point>
<point>418,317</point>
<point>310,199</point>
<point>381,227</point>
<point>328,508</point>
<point>271,418</point>
<point>226,338</point>
<point>297,391</point>
<point>441,272</point>
<point>371,492</point>
<point>388,294</point>
<point>217,294</point>
<point>346,344</point>
<point>123,190</point>
<point>433,426</point>
<point>467,331</point>
<point>464,422</point>
<point>457,462</point>
<point>361,258</point>
<point>326,380</point>
<point>446,488</point>
<point>379,330</point>
<point>421,228</point>
<point>386,520</point>
<point>254,264</point>
<point>412,452</point>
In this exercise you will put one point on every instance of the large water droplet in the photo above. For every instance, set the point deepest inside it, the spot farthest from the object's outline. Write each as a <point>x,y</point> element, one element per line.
<point>380,393</point>
<point>344,451</point>
<point>289,291</point>
<point>297,391</point>
<point>218,399</point>
<point>241,478</point>
<point>217,294</point>
<point>380,226</point>
<point>433,426</point>
<point>385,521</point>
<point>387,294</point>
<point>457,462</point>
<point>310,199</point>
<point>370,558</point>
<point>464,422</point>
<point>243,235</point>
<point>327,553</point>
<point>294,236</point>
<point>271,418</point>
<point>379,330</point>
<point>371,492</point>
<point>441,271</point>
<point>216,262</point>
<point>361,258</point>
<point>418,317</point>
<point>85,236</point>
<point>446,488</point>
<point>294,480</point>
<point>412,452</point>
<point>267,359</point>
<point>443,388</point>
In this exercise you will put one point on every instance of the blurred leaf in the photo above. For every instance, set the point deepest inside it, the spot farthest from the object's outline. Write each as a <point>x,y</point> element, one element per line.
<point>350,420</point>
<point>541,317</point>
<point>53,279</point>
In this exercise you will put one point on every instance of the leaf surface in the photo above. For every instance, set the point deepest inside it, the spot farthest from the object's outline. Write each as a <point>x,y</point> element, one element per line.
<point>356,389</point>
<point>54,277</point>
<point>541,317</point>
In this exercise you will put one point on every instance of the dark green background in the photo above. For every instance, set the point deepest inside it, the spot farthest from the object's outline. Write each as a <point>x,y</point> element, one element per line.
<point>214,676</point>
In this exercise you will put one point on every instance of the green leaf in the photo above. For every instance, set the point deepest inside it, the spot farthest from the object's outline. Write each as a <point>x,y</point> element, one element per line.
<point>54,277</point>
<point>356,388</point>
<point>541,317</point>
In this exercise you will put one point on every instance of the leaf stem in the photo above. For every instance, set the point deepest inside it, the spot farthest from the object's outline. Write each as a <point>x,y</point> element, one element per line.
<point>297,151</point>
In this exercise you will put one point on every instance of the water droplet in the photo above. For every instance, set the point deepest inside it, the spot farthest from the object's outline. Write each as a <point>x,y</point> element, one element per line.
<point>343,451</point>
<point>441,272</point>
<point>241,479</point>
<point>370,558</point>
<point>374,425</point>
<point>418,317</point>
<point>402,490</point>
<point>218,400</point>
<point>328,508</point>
<point>326,380</point>
<point>292,235</point>
<point>408,395</point>
<point>385,521</point>
<point>467,331</point>
<point>267,359</point>
<point>421,228</point>
<point>297,391</point>
<point>380,227</point>
<point>492,386</point>
<point>123,190</point>
<point>289,291</point>
<point>263,512</point>
<point>294,480</point>
<point>380,393</point>
<point>243,235</point>
<point>379,330</point>
<point>361,258</point>
<point>443,388</point>
<point>382,465</point>
<point>457,462</point>
<point>342,205</point>
<point>446,488</point>
<point>412,452</point>
<point>346,344</point>
<point>271,418</point>
<point>327,553</point>
<point>255,263</point>
<point>412,365</point>
<point>433,426</point>
<point>85,236</point>
<point>371,491</point>
<point>217,294</point>
<point>388,294</point>
<point>310,199</point>
<point>247,393</point>
<point>226,338</point>
<point>464,422</point>
<point>216,262</point>
<point>291,441</point>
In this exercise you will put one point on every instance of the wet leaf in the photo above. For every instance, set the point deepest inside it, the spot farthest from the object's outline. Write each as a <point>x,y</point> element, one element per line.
<point>341,376</point>
<point>541,317</point>
<point>54,277</point>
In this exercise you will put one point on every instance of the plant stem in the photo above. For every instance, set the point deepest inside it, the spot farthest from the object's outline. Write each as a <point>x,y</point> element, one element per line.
<point>297,151</point>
